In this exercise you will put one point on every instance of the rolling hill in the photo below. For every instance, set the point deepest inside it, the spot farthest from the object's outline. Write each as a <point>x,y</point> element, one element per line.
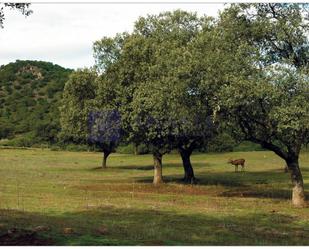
<point>29,95</point>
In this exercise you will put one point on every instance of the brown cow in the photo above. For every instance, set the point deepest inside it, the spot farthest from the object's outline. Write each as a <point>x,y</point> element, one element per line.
<point>238,162</point>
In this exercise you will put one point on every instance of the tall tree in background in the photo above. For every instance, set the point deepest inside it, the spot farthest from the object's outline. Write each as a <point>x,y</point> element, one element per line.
<point>22,7</point>
<point>269,101</point>
<point>77,102</point>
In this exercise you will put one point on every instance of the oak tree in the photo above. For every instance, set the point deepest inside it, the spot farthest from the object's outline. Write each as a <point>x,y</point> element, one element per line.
<point>268,102</point>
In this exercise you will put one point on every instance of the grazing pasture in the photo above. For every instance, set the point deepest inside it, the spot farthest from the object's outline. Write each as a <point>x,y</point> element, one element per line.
<point>70,200</point>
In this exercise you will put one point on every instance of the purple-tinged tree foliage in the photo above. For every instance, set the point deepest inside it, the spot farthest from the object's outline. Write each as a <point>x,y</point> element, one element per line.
<point>105,131</point>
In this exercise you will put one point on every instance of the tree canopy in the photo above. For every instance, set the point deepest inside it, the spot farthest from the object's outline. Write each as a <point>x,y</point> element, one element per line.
<point>77,102</point>
<point>157,99</point>
<point>269,104</point>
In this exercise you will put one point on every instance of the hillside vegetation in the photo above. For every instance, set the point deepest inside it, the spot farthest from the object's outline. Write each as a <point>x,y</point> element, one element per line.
<point>29,95</point>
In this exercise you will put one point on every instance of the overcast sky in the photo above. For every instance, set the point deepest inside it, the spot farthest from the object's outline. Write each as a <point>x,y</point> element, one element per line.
<point>64,33</point>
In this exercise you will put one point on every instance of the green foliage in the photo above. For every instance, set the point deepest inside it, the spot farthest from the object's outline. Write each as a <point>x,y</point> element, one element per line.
<point>87,112</point>
<point>24,140</point>
<point>125,149</point>
<point>76,104</point>
<point>47,131</point>
<point>107,51</point>
<point>76,147</point>
<point>155,92</point>
<point>223,142</point>
<point>270,102</point>
<point>267,102</point>
<point>248,146</point>
<point>131,149</point>
<point>6,130</point>
<point>142,149</point>
<point>30,92</point>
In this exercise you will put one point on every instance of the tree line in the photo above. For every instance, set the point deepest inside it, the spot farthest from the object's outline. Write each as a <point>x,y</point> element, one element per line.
<point>178,79</point>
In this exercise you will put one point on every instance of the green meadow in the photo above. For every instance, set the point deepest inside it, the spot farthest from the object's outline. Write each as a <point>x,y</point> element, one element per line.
<point>119,205</point>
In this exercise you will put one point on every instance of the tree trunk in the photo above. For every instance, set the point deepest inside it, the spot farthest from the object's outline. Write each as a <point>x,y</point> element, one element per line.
<point>298,193</point>
<point>157,159</point>
<point>188,170</point>
<point>105,155</point>
<point>135,149</point>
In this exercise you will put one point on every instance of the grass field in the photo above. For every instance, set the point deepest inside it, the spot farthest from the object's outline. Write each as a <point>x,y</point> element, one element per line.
<point>120,206</point>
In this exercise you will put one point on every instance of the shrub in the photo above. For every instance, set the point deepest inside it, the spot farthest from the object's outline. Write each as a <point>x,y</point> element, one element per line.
<point>125,149</point>
<point>142,149</point>
<point>130,149</point>
<point>248,146</point>
<point>27,140</point>
<point>76,147</point>
<point>221,143</point>
<point>6,130</point>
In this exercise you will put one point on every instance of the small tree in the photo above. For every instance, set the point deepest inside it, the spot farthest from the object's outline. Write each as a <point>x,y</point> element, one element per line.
<point>88,112</point>
<point>104,131</point>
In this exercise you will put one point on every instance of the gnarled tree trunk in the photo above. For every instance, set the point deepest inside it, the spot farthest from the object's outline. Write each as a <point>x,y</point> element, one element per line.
<point>188,170</point>
<point>157,159</point>
<point>105,156</point>
<point>298,193</point>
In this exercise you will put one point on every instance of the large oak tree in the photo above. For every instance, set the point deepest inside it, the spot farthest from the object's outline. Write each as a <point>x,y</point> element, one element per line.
<point>268,99</point>
<point>153,69</point>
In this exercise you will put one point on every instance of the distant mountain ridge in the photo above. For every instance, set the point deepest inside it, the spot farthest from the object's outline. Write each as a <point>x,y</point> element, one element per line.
<point>29,96</point>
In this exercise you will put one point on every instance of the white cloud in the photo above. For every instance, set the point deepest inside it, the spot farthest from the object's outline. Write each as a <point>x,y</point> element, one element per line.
<point>64,33</point>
